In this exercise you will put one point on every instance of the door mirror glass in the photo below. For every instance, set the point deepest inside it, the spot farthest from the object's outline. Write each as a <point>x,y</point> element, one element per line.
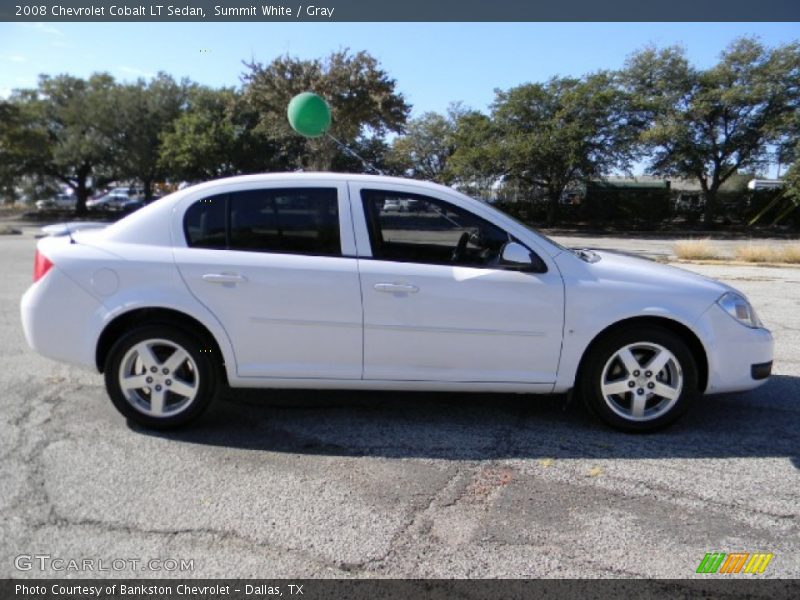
<point>515,254</point>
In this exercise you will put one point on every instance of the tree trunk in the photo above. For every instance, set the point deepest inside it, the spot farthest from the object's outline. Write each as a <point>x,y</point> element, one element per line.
<point>552,207</point>
<point>81,195</point>
<point>710,208</point>
<point>81,189</point>
<point>147,184</point>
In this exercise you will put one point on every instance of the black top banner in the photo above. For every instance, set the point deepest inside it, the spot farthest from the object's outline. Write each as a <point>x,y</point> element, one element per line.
<point>405,10</point>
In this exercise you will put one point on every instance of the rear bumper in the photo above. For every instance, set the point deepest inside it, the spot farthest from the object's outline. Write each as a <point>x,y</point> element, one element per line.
<point>739,357</point>
<point>58,317</point>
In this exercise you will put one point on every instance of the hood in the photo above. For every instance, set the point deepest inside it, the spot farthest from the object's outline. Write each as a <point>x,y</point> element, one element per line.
<point>619,265</point>
<point>616,269</point>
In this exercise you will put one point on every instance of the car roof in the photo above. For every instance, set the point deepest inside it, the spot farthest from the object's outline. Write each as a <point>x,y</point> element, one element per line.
<point>300,176</point>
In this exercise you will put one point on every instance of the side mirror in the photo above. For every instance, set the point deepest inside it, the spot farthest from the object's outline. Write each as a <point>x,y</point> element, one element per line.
<point>517,255</point>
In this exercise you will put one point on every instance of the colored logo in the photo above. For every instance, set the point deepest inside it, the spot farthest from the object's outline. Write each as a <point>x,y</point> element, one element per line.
<point>737,562</point>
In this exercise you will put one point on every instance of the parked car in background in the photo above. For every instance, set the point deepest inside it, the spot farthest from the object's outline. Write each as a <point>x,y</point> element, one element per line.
<point>392,205</point>
<point>307,280</point>
<point>115,198</point>
<point>60,201</point>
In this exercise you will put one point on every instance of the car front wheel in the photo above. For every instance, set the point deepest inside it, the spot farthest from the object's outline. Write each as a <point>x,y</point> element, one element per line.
<point>639,379</point>
<point>160,377</point>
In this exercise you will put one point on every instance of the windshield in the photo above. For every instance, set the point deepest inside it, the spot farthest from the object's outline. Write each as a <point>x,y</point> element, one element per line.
<point>528,227</point>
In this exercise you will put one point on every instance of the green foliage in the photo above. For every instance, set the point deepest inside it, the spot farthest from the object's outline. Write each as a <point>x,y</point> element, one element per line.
<point>215,136</point>
<point>632,205</point>
<point>710,124</point>
<point>145,111</point>
<point>425,150</point>
<point>362,97</point>
<point>69,124</point>
<point>547,136</point>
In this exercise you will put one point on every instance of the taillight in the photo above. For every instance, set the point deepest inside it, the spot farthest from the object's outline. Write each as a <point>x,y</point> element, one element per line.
<point>41,265</point>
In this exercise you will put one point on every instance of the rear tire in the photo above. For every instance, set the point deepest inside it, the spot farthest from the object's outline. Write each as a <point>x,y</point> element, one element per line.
<point>639,379</point>
<point>160,376</point>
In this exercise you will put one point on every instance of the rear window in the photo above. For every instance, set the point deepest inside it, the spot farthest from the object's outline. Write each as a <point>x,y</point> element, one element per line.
<point>292,221</point>
<point>204,223</point>
<point>283,221</point>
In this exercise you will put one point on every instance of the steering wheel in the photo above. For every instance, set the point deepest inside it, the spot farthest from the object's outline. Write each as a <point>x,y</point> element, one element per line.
<point>458,253</point>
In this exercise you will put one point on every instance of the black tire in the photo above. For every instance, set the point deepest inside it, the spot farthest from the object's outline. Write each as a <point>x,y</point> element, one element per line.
<point>683,368</point>
<point>200,372</point>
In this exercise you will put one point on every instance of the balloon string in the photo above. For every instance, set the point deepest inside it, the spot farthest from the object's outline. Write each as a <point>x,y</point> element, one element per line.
<point>352,153</point>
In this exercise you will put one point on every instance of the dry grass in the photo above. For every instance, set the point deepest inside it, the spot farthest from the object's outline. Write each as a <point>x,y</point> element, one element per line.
<point>757,254</point>
<point>695,250</point>
<point>703,249</point>
<point>787,253</point>
<point>790,253</point>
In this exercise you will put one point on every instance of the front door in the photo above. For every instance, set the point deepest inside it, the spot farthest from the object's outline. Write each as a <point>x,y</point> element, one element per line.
<point>439,305</point>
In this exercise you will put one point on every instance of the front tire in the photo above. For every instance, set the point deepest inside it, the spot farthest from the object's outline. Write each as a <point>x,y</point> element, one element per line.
<point>639,379</point>
<point>160,376</point>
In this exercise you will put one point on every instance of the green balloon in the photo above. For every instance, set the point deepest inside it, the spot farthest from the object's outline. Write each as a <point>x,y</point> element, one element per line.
<point>309,115</point>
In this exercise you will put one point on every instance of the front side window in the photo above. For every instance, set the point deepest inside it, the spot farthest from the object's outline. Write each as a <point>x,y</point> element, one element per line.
<point>283,221</point>
<point>413,228</point>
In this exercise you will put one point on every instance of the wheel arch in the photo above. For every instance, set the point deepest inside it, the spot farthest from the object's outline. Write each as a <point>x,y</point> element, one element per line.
<point>685,333</point>
<point>150,315</point>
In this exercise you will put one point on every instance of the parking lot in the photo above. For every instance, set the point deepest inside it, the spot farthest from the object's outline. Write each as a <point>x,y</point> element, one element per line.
<point>344,484</point>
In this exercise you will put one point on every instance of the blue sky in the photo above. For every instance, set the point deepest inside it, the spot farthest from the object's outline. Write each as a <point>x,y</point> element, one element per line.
<point>433,63</point>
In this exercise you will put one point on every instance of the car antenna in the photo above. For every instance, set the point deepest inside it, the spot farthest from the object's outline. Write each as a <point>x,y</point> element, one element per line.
<point>352,153</point>
<point>69,233</point>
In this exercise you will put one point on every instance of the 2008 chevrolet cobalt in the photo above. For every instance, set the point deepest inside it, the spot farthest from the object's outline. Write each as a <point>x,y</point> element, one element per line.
<point>345,281</point>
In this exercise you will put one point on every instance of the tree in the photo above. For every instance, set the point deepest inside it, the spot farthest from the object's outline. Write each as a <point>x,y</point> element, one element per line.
<point>709,124</point>
<point>19,145</point>
<point>215,137</point>
<point>547,135</point>
<point>363,100</point>
<point>146,110</point>
<point>424,151</point>
<point>368,154</point>
<point>68,127</point>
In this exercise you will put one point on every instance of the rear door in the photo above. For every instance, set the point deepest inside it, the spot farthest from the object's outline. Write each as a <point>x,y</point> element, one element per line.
<point>276,265</point>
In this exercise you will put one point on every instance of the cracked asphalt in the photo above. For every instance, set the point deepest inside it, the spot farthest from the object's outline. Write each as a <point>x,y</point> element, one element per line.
<point>341,484</point>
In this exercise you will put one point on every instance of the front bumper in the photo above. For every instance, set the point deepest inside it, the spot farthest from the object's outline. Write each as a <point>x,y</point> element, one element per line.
<point>739,357</point>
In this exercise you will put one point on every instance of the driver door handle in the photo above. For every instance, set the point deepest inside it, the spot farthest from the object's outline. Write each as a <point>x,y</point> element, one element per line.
<point>396,288</point>
<point>224,278</point>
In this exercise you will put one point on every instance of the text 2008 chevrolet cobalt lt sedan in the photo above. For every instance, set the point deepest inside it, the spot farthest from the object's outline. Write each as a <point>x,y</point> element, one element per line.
<point>310,281</point>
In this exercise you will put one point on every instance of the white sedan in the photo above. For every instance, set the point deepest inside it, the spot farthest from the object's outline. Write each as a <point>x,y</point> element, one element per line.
<point>308,281</point>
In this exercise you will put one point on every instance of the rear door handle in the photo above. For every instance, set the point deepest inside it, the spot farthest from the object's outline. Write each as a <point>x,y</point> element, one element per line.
<point>396,288</point>
<point>224,278</point>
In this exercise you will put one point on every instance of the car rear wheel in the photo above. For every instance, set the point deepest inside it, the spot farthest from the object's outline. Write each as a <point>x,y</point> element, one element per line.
<point>639,379</point>
<point>160,376</point>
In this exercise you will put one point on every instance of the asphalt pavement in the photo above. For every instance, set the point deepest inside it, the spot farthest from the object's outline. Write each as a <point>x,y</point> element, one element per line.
<point>366,484</point>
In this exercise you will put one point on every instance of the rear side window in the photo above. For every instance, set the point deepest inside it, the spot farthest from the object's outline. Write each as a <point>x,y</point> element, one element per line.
<point>291,221</point>
<point>283,221</point>
<point>204,223</point>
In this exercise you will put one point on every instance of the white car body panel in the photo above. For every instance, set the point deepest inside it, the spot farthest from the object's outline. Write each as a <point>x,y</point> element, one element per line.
<point>318,321</point>
<point>458,318</point>
<point>292,316</point>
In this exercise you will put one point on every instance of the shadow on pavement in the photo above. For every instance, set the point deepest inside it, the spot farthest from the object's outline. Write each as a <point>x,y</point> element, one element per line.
<point>761,423</point>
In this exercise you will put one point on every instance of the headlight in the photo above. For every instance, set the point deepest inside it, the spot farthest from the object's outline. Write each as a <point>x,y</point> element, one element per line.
<point>739,308</point>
